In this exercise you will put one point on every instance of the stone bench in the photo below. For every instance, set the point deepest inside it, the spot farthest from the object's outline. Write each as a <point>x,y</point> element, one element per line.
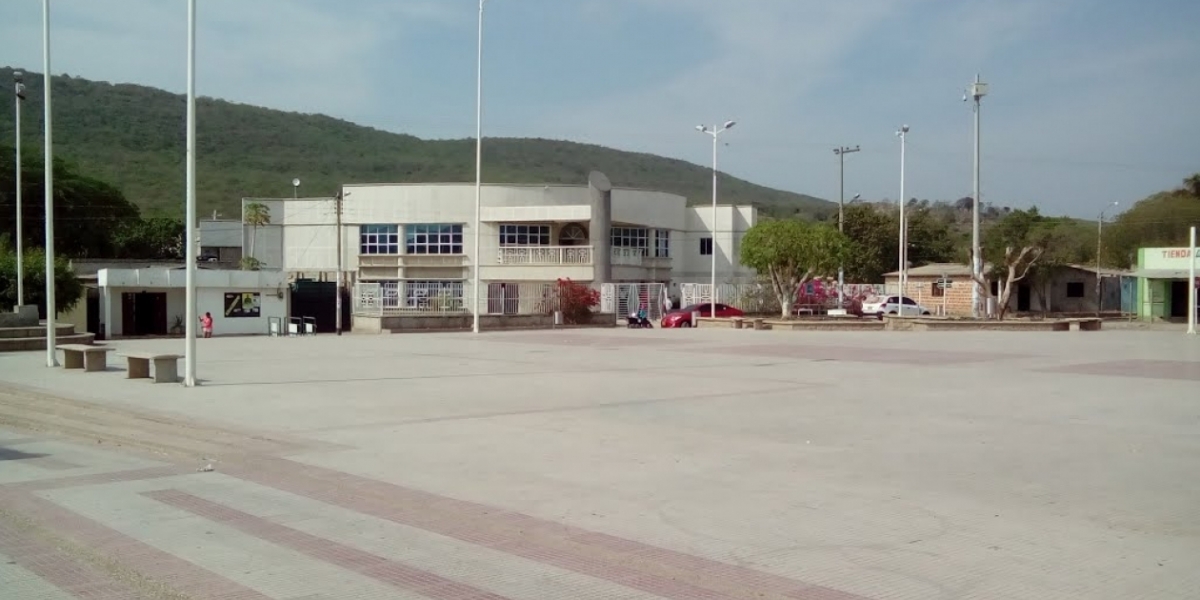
<point>86,357</point>
<point>1086,324</point>
<point>166,366</point>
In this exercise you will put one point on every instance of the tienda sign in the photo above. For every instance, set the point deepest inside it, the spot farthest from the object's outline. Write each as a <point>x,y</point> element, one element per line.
<point>1175,259</point>
<point>1170,253</point>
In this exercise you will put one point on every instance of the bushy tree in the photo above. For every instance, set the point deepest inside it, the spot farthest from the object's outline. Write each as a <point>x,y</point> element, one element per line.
<point>576,301</point>
<point>789,253</point>
<point>1161,220</point>
<point>67,288</point>
<point>1023,242</point>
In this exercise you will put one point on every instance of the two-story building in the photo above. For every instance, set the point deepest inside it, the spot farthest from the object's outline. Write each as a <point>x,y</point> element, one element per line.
<point>417,240</point>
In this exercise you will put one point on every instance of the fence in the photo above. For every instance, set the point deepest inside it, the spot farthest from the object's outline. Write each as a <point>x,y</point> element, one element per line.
<point>453,297</point>
<point>760,298</point>
<point>622,299</point>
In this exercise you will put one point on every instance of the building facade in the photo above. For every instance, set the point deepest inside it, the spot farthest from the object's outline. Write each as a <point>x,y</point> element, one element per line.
<point>1162,282</point>
<point>417,240</point>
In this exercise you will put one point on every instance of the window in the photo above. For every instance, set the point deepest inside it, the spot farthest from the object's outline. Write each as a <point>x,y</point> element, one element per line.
<point>433,239</point>
<point>909,302</point>
<point>1075,289</point>
<point>379,239</point>
<point>938,291</point>
<point>524,235</point>
<point>662,243</point>
<point>434,295</point>
<point>705,246</point>
<point>632,237</point>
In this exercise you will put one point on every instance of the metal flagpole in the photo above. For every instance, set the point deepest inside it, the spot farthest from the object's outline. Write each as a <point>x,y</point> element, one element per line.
<point>192,319</point>
<point>51,310</point>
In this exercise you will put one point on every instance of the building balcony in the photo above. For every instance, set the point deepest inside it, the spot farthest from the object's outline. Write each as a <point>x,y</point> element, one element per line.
<point>544,255</point>
<point>411,260</point>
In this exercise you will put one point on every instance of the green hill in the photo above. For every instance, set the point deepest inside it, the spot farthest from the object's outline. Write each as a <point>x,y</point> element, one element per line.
<point>133,137</point>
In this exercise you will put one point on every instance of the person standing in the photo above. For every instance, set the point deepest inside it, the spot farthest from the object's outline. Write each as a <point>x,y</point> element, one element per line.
<point>206,324</point>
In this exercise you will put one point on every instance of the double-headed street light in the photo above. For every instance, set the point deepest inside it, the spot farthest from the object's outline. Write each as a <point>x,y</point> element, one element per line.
<point>714,131</point>
<point>19,93</point>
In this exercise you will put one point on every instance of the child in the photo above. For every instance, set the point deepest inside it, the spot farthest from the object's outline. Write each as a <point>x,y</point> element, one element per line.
<point>206,323</point>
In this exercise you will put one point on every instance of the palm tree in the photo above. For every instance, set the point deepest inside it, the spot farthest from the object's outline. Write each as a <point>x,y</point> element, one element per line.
<point>256,215</point>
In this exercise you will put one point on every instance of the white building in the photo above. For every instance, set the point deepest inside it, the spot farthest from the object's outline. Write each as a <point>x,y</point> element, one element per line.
<point>152,302</point>
<point>417,239</point>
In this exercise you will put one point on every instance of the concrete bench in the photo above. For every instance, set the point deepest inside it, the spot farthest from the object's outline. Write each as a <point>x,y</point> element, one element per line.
<point>166,366</point>
<point>83,356</point>
<point>1086,324</point>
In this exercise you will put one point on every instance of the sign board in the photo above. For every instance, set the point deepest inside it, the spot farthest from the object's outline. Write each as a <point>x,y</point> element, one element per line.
<point>243,304</point>
<point>945,283</point>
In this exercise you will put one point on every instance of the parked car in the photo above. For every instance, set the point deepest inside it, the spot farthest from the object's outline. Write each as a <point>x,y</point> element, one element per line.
<point>683,316</point>
<point>893,305</point>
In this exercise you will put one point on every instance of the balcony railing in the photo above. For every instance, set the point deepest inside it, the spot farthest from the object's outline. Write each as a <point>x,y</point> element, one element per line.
<point>639,257</point>
<point>545,255</point>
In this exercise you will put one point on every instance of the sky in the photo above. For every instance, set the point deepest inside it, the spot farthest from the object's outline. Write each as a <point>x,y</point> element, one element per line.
<point>1090,102</point>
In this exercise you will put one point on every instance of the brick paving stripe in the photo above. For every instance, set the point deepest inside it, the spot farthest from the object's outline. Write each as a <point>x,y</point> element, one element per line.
<point>658,571</point>
<point>56,568</point>
<point>352,559</point>
<point>180,575</point>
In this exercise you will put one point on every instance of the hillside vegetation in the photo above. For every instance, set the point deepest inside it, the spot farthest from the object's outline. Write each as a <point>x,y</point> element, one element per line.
<point>133,137</point>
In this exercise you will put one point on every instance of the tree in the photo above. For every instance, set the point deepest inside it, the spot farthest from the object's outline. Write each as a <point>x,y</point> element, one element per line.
<point>155,238</point>
<point>1161,220</point>
<point>257,215</point>
<point>67,288</point>
<point>873,235</point>
<point>1013,247</point>
<point>790,253</point>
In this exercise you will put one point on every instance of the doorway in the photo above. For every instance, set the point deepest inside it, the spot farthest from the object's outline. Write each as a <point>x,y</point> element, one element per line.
<point>1023,298</point>
<point>143,314</point>
<point>1179,299</point>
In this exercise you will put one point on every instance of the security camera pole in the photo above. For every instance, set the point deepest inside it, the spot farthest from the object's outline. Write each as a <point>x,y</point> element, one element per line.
<point>714,131</point>
<point>977,91</point>
<point>20,97</point>
<point>902,133</point>
<point>841,153</point>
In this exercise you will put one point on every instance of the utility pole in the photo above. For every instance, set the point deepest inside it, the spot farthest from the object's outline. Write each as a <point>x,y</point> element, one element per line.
<point>51,303</point>
<point>902,133</point>
<point>338,303</point>
<point>1099,249</point>
<point>841,153</point>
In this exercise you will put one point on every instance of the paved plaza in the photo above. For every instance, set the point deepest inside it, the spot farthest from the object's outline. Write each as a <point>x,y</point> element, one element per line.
<point>631,464</point>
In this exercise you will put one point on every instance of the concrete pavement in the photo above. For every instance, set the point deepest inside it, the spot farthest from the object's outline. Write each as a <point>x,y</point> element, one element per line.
<point>613,464</point>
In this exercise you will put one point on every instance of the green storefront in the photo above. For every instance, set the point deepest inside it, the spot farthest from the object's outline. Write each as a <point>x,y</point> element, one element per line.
<point>1162,284</point>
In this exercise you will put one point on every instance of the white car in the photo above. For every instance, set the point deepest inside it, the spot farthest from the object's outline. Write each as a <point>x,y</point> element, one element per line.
<point>894,305</point>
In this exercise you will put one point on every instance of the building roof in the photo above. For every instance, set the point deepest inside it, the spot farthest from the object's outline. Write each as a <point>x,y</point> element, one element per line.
<point>1103,271</point>
<point>937,270</point>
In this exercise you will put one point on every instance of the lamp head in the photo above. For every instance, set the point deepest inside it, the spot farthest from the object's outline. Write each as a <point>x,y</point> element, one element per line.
<point>701,129</point>
<point>856,197</point>
<point>904,129</point>
<point>730,124</point>
<point>18,76</point>
<point>296,182</point>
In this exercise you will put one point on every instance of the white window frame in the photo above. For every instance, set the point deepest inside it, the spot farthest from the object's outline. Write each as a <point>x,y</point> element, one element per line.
<point>631,237</point>
<point>662,243</point>
<point>522,234</point>
<point>378,239</point>
<point>709,241</point>
<point>433,238</point>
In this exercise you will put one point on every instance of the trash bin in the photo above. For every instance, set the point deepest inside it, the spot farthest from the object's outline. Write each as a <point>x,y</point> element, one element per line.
<point>558,318</point>
<point>991,307</point>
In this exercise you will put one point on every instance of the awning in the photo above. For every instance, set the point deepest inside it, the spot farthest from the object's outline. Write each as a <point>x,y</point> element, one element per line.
<point>1162,273</point>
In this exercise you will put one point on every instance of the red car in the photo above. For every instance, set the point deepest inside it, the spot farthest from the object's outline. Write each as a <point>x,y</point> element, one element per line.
<point>683,316</point>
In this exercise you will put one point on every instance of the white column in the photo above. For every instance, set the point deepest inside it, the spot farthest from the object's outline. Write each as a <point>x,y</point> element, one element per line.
<point>1192,282</point>
<point>51,312</point>
<point>191,319</point>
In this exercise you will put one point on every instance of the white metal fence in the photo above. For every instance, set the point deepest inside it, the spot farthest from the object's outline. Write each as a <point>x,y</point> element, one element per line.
<point>623,299</point>
<point>406,297</point>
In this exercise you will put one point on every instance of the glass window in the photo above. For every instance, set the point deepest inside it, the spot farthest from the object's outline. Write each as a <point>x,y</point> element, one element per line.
<point>637,238</point>
<point>433,239</point>
<point>706,246</point>
<point>662,243</point>
<point>379,239</point>
<point>937,290</point>
<point>1075,289</point>
<point>909,302</point>
<point>524,235</point>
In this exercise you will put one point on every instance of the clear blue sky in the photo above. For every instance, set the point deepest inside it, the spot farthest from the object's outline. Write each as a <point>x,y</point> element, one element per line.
<point>1092,101</point>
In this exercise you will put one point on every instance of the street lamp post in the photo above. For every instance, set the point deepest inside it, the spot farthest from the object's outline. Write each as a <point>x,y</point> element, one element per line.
<point>902,133</point>
<point>977,91</point>
<point>296,188</point>
<point>189,373</point>
<point>19,90</point>
<point>476,259</point>
<point>1099,249</point>
<point>715,131</point>
<point>841,153</point>
<point>51,331</point>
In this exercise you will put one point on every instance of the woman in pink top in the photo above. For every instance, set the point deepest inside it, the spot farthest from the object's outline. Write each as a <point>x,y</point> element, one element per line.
<point>206,323</point>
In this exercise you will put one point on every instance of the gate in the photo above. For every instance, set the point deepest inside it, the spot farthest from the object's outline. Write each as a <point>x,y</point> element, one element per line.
<point>622,299</point>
